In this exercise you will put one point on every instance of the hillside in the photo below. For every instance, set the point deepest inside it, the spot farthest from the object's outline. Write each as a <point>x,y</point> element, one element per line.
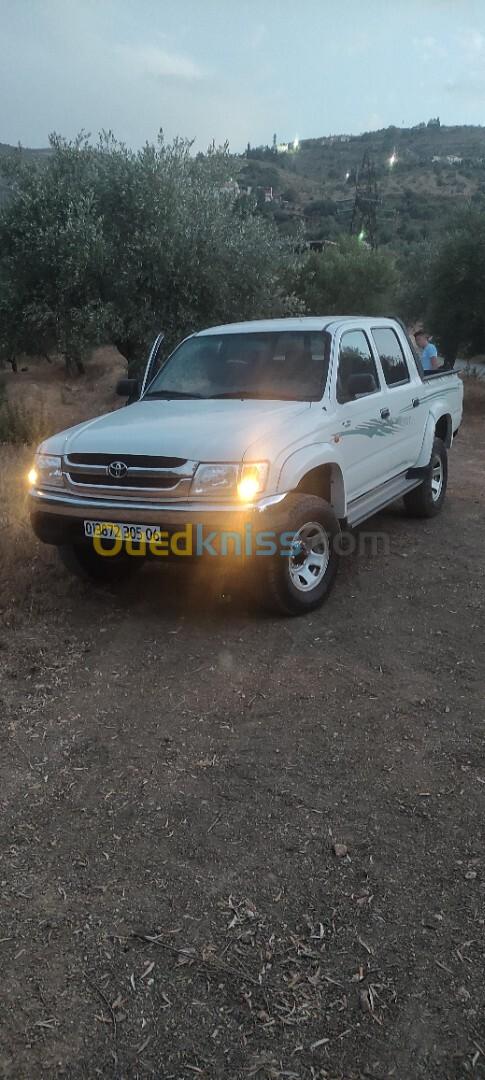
<point>30,154</point>
<point>435,171</point>
<point>424,175</point>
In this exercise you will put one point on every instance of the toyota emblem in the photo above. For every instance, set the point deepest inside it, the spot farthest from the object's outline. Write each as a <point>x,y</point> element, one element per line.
<point>117,469</point>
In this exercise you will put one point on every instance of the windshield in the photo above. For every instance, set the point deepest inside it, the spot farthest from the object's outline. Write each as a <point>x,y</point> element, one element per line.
<point>290,365</point>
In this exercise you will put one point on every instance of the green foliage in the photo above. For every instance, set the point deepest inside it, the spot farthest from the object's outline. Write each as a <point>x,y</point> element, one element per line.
<point>414,282</point>
<point>346,279</point>
<point>100,243</point>
<point>51,259</point>
<point>455,310</point>
<point>321,207</point>
<point>443,285</point>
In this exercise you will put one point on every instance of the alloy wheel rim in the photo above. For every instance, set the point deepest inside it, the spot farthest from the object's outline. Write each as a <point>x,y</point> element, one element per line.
<point>436,478</point>
<point>310,556</point>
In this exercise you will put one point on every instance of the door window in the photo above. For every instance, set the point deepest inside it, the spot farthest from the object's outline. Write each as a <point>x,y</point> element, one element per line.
<point>391,356</point>
<point>355,358</point>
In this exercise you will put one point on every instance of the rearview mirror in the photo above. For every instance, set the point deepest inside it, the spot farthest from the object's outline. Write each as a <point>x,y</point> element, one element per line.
<point>361,383</point>
<point>128,388</point>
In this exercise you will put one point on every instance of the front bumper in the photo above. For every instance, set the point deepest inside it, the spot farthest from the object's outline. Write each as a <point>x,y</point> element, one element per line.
<point>58,517</point>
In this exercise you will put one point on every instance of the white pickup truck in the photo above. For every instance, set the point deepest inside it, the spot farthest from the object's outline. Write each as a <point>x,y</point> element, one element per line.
<point>256,441</point>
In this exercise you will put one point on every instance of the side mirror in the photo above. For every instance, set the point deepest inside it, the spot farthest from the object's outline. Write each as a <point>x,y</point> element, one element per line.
<point>128,388</point>
<point>361,383</point>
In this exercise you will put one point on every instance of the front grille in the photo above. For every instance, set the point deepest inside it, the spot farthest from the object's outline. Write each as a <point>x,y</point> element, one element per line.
<point>128,481</point>
<point>150,475</point>
<point>138,461</point>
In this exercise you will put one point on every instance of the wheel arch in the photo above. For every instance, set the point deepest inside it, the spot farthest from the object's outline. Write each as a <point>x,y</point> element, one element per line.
<point>314,477</point>
<point>444,429</point>
<point>439,424</point>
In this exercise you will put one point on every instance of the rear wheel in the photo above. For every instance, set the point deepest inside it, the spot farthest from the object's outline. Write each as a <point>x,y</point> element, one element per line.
<point>84,562</point>
<point>427,500</point>
<point>300,576</point>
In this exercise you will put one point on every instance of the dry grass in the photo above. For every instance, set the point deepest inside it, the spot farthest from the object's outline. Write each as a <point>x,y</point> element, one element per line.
<point>20,553</point>
<point>22,424</point>
<point>37,402</point>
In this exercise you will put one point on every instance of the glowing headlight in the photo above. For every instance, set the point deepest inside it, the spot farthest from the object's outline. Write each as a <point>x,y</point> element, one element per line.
<point>47,471</point>
<point>215,480</point>
<point>252,480</point>
<point>231,480</point>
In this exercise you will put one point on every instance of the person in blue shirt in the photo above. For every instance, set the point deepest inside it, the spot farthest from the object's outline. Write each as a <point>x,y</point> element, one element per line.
<point>429,352</point>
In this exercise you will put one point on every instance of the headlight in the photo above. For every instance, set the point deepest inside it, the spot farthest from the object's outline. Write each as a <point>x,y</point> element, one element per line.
<point>252,480</point>
<point>47,471</point>
<point>244,481</point>
<point>215,480</point>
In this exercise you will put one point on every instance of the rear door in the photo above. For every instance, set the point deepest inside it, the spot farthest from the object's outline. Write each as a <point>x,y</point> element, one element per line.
<point>363,433</point>
<point>404,397</point>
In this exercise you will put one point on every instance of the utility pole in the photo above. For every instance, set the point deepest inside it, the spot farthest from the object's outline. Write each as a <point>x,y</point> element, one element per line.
<point>367,199</point>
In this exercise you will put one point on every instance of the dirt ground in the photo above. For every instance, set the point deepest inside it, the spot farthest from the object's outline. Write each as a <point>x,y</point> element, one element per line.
<point>175,768</point>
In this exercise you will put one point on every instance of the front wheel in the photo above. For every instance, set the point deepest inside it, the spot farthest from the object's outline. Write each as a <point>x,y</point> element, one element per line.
<point>427,500</point>
<point>84,562</point>
<point>300,576</point>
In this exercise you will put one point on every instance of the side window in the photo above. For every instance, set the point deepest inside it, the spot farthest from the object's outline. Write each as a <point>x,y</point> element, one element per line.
<point>355,358</point>
<point>391,356</point>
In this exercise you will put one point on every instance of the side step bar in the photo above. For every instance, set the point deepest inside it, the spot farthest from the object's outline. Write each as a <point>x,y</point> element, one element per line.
<point>366,505</point>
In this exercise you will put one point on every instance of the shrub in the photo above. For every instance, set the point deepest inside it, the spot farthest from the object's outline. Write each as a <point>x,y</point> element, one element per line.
<point>22,424</point>
<point>347,279</point>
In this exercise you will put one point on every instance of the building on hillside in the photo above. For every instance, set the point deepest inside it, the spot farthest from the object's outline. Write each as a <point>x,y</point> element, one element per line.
<point>330,140</point>
<point>448,159</point>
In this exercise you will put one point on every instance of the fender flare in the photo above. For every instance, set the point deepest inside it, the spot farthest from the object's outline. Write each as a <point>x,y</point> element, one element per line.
<point>429,437</point>
<point>303,461</point>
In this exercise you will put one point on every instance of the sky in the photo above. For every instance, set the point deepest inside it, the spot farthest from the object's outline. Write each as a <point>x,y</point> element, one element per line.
<point>239,70</point>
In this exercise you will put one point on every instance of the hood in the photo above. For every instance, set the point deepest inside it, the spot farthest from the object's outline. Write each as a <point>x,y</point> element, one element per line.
<point>195,430</point>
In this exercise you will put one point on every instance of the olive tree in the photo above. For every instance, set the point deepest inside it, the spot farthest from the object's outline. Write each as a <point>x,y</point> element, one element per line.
<point>347,278</point>
<point>455,311</point>
<point>100,243</point>
<point>52,259</point>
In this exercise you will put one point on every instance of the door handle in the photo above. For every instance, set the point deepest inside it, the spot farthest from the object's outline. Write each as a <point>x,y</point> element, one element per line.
<point>385,413</point>
<point>416,402</point>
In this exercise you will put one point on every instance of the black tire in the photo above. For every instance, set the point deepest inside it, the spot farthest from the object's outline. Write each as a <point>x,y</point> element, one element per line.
<point>82,561</point>
<point>277,573</point>
<point>426,501</point>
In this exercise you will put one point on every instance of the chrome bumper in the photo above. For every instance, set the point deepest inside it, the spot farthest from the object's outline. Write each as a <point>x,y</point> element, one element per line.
<point>74,508</point>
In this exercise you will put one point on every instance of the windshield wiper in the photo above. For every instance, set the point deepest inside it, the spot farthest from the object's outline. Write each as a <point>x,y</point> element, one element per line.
<point>172,394</point>
<point>268,396</point>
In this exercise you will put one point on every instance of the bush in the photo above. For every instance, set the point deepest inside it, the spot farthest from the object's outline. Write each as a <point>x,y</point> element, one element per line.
<point>347,279</point>
<point>22,424</point>
<point>455,312</point>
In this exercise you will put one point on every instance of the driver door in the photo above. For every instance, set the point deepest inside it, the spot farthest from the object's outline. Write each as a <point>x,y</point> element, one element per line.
<point>363,432</point>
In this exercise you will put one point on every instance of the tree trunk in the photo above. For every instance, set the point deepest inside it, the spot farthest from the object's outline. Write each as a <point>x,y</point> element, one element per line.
<point>74,364</point>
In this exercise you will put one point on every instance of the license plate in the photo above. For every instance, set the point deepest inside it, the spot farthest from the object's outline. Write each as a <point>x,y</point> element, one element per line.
<point>111,530</point>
